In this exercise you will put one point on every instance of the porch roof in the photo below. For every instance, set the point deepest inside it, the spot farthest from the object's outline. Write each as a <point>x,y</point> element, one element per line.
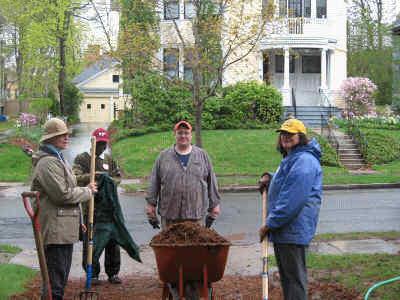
<point>294,41</point>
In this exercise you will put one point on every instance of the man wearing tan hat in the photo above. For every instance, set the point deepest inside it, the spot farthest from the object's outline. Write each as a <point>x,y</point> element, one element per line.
<point>59,200</point>
<point>294,201</point>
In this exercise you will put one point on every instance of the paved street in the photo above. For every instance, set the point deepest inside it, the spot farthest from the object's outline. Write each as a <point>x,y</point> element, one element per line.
<point>342,211</point>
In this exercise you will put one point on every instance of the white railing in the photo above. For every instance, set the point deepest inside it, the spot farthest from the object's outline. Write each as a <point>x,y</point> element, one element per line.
<point>292,25</point>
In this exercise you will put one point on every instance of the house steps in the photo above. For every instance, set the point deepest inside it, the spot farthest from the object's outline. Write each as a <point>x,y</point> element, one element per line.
<point>349,153</point>
<point>311,115</point>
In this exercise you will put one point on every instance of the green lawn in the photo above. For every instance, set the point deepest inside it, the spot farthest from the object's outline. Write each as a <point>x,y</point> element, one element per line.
<point>359,272</point>
<point>6,125</point>
<point>239,157</point>
<point>15,165</point>
<point>13,278</point>
<point>9,249</point>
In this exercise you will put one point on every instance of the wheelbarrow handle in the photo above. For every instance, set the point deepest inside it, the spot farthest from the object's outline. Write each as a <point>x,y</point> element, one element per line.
<point>28,207</point>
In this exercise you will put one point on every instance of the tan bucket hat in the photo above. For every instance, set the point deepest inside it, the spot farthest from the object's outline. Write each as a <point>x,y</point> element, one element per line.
<point>54,127</point>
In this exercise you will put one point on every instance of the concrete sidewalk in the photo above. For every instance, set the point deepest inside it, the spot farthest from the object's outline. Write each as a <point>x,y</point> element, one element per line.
<point>242,260</point>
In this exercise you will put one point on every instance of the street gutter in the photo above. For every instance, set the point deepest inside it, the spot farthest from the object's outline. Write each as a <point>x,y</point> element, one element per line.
<point>329,187</point>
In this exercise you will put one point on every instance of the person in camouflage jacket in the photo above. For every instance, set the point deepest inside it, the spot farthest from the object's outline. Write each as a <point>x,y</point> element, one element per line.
<point>81,169</point>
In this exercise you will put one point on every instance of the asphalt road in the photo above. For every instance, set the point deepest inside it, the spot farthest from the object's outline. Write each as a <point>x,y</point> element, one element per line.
<point>342,211</point>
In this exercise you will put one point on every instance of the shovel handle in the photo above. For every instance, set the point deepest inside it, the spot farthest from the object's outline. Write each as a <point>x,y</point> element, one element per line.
<point>28,207</point>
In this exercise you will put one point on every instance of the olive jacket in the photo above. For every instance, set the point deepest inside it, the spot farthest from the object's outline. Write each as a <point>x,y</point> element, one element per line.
<point>59,198</point>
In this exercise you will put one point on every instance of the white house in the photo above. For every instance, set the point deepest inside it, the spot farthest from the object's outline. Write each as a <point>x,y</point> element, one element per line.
<point>302,51</point>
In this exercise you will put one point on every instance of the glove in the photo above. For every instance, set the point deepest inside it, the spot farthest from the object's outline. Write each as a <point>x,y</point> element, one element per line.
<point>263,233</point>
<point>209,221</point>
<point>263,183</point>
<point>154,222</point>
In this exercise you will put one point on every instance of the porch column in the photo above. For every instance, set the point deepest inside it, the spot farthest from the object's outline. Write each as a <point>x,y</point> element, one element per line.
<point>181,62</point>
<point>181,9</point>
<point>286,72</point>
<point>261,66</point>
<point>286,77</point>
<point>323,68</point>
<point>332,69</point>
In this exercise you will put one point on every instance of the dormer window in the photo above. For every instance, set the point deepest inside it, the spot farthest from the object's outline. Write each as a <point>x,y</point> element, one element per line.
<point>171,9</point>
<point>115,78</point>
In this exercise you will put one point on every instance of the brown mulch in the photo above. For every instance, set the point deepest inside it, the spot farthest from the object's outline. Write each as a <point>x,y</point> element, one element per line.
<point>21,142</point>
<point>229,288</point>
<point>187,233</point>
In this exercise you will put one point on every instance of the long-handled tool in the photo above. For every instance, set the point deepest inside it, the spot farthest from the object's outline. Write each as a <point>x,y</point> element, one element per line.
<point>87,294</point>
<point>264,273</point>
<point>34,216</point>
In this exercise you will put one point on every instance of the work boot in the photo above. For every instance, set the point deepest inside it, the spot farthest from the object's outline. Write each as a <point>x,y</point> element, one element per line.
<point>114,279</point>
<point>96,281</point>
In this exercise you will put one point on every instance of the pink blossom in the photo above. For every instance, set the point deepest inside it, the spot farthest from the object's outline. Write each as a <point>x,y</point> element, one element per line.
<point>358,94</point>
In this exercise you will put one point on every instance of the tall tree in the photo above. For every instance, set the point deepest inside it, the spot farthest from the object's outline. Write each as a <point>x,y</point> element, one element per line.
<point>369,46</point>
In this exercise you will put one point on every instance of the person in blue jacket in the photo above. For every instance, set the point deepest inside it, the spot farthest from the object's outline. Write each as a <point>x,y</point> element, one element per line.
<point>294,201</point>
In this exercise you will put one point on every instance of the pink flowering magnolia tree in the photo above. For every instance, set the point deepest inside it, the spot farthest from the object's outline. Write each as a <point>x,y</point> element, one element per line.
<point>358,93</point>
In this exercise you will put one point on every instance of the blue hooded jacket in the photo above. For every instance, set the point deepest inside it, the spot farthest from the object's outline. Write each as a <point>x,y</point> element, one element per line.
<point>294,196</point>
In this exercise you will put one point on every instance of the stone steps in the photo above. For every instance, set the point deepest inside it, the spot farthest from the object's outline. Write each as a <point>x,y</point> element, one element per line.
<point>349,154</point>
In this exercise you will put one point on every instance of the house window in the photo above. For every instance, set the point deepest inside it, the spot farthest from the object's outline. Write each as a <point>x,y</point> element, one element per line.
<point>321,9</point>
<point>307,8</point>
<point>103,106</point>
<point>171,62</point>
<point>295,8</point>
<point>279,64</point>
<point>282,8</point>
<point>115,78</point>
<point>311,64</point>
<point>190,11</point>
<point>171,9</point>
<point>88,106</point>
<point>188,65</point>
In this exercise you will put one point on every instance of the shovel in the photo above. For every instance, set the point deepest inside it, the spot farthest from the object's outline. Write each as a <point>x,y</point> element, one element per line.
<point>264,274</point>
<point>34,216</point>
<point>88,294</point>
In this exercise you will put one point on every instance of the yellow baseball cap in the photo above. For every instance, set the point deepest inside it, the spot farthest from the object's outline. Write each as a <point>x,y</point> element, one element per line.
<point>293,126</point>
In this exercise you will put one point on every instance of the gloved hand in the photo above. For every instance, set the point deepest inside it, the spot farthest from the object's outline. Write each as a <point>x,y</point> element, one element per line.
<point>263,183</point>
<point>263,233</point>
<point>154,222</point>
<point>209,221</point>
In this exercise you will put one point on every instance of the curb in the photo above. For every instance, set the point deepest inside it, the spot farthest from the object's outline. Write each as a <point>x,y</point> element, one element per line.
<point>330,187</point>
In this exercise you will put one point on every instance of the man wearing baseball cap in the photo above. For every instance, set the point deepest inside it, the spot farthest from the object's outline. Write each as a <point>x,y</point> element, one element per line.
<point>81,168</point>
<point>184,188</point>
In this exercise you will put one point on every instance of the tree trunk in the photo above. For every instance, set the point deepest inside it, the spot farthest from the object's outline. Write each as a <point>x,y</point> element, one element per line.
<point>61,74</point>
<point>62,38</point>
<point>198,119</point>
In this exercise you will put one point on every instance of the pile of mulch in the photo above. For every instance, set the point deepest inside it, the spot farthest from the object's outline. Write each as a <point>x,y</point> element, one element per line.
<point>229,288</point>
<point>188,233</point>
<point>21,142</point>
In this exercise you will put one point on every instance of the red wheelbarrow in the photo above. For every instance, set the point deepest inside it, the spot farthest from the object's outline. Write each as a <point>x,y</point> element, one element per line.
<point>180,263</point>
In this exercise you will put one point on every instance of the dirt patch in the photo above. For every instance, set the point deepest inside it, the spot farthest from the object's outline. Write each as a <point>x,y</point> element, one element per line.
<point>229,288</point>
<point>187,233</point>
<point>5,257</point>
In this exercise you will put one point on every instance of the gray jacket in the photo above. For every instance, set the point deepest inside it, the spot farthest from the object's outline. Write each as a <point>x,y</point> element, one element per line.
<point>183,193</point>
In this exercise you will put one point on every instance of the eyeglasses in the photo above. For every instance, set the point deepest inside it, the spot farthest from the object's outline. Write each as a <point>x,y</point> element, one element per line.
<point>287,134</point>
<point>183,133</point>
